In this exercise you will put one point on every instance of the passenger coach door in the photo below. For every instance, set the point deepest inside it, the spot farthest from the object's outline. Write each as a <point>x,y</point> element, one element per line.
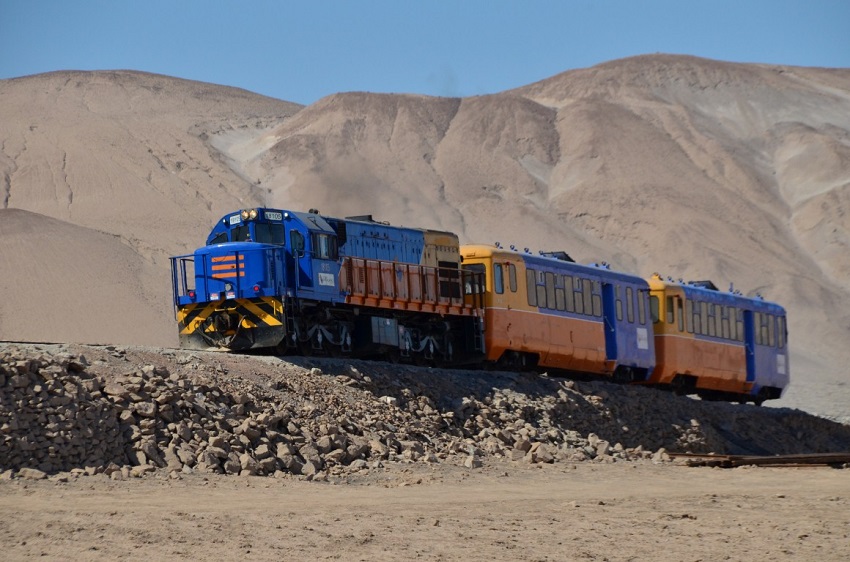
<point>609,317</point>
<point>750,344</point>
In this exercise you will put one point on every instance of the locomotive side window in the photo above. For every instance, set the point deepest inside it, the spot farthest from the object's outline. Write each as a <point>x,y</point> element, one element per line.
<point>324,246</point>
<point>531,286</point>
<point>297,241</point>
<point>220,238</point>
<point>498,280</point>
<point>512,277</point>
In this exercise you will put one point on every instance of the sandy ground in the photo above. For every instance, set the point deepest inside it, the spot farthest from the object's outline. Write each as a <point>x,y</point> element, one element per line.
<point>503,511</point>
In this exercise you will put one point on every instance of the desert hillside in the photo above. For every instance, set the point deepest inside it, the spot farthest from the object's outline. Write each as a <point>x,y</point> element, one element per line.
<point>689,167</point>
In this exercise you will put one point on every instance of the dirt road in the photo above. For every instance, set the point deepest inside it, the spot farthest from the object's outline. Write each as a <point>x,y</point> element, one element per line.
<point>503,511</point>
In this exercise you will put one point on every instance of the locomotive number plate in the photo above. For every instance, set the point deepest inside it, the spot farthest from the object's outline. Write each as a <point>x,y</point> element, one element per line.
<point>274,216</point>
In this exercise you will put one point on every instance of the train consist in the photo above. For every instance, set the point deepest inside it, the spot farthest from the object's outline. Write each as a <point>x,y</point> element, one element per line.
<point>309,284</point>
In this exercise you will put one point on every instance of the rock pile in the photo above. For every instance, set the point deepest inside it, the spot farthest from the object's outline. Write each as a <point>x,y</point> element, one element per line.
<point>184,412</point>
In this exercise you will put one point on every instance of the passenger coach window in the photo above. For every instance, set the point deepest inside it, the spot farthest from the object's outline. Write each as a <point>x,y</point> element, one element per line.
<point>579,300</point>
<point>689,316</point>
<point>498,280</point>
<point>733,331</point>
<point>619,304</point>
<point>740,322</point>
<point>642,307</point>
<point>531,286</point>
<point>697,318</point>
<point>718,317</point>
<point>653,309</point>
<point>597,298</point>
<point>541,290</point>
<point>780,332</point>
<point>512,276</point>
<point>704,318</point>
<point>550,289</point>
<point>630,305</point>
<point>587,292</point>
<point>771,330</point>
<point>474,274</point>
<point>559,293</point>
<point>568,293</point>
<point>680,315</point>
<point>711,321</point>
<point>670,310</point>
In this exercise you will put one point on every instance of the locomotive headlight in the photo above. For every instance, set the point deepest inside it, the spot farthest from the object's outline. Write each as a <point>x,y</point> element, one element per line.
<point>244,215</point>
<point>252,214</point>
<point>228,287</point>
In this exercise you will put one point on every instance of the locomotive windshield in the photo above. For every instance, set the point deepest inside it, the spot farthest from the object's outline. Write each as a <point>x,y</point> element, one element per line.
<point>240,234</point>
<point>269,233</point>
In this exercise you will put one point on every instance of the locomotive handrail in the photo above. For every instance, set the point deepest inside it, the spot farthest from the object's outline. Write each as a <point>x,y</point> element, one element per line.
<point>179,277</point>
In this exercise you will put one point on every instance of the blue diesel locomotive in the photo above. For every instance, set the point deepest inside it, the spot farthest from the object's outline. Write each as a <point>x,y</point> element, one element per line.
<point>311,284</point>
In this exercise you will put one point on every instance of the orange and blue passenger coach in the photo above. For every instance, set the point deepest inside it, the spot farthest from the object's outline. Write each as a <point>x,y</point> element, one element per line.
<point>547,311</point>
<point>718,345</point>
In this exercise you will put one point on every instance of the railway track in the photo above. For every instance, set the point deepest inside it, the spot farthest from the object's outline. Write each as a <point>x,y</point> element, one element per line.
<point>834,460</point>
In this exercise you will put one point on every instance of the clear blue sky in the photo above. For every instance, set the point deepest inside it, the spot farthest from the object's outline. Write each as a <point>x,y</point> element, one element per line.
<point>303,50</point>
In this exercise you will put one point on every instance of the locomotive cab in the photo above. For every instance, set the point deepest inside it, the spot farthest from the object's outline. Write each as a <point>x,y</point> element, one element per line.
<point>309,243</point>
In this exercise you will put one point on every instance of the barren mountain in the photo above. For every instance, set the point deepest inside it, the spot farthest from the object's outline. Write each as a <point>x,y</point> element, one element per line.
<point>689,167</point>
